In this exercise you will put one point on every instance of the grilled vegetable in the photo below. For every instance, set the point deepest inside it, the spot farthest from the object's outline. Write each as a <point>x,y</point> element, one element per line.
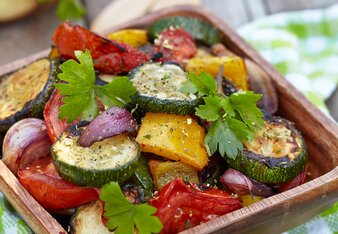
<point>132,37</point>
<point>277,154</point>
<point>210,174</point>
<point>88,219</point>
<point>200,29</point>
<point>42,181</point>
<point>26,141</point>
<point>175,44</point>
<point>24,92</point>
<point>248,199</point>
<point>180,206</point>
<point>111,122</point>
<point>133,193</point>
<point>142,178</point>
<point>112,159</point>
<point>165,172</point>
<point>176,137</point>
<point>242,185</point>
<point>158,89</point>
<point>234,68</point>
<point>109,56</point>
<point>55,126</point>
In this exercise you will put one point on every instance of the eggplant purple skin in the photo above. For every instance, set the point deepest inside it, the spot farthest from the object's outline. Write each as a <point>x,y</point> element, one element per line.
<point>133,193</point>
<point>211,173</point>
<point>109,123</point>
<point>26,141</point>
<point>239,183</point>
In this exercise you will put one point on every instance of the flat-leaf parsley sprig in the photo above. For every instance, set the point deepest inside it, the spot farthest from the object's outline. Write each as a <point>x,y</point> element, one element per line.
<point>123,216</point>
<point>80,91</point>
<point>234,119</point>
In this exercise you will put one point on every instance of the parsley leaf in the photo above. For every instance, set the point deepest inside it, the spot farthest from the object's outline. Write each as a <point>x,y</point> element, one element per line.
<point>211,110</point>
<point>70,9</point>
<point>245,104</point>
<point>203,84</point>
<point>80,92</point>
<point>124,216</point>
<point>222,137</point>
<point>234,119</point>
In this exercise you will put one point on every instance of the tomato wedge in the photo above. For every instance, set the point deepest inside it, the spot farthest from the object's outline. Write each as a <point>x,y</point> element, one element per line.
<point>54,193</point>
<point>175,44</point>
<point>108,55</point>
<point>55,126</point>
<point>180,206</point>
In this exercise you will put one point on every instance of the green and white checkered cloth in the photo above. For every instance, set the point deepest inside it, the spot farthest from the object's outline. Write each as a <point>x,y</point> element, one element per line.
<point>10,221</point>
<point>303,46</point>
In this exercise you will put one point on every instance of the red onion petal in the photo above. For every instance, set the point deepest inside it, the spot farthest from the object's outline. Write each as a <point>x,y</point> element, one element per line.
<point>26,141</point>
<point>242,185</point>
<point>109,123</point>
<point>236,182</point>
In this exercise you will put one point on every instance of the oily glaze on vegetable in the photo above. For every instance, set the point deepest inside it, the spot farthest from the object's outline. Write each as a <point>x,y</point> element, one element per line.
<point>109,56</point>
<point>176,137</point>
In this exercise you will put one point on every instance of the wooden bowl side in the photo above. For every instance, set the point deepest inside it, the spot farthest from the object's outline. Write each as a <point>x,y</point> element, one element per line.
<point>274,214</point>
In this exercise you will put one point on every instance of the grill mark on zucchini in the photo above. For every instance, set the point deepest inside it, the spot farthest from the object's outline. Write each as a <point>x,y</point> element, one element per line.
<point>22,86</point>
<point>269,168</point>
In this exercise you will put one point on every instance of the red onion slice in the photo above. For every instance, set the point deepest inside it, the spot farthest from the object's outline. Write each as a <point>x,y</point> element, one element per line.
<point>242,185</point>
<point>109,123</point>
<point>26,141</point>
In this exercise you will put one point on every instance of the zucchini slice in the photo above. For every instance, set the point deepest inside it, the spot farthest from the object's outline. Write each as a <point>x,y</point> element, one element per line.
<point>277,154</point>
<point>200,29</point>
<point>142,178</point>
<point>25,92</point>
<point>158,89</point>
<point>112,159</point>
<point>88,219</point>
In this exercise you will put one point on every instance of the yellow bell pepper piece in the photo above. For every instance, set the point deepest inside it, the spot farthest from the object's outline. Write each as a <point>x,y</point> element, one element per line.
<point>165,172</point>
<point>176,137</point>
<point>234,68</point>
<point>132,37</point>
<point>248,200</point>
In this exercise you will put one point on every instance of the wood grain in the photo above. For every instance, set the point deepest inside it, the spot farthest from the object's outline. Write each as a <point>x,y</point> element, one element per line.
<point>275,214</point>
<point>39,220</point>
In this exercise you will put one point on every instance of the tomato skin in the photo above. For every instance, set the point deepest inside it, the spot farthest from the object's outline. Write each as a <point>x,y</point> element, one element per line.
<point>180,206</point>
<point>298,180</point>
<point>55,126</point>
<point>109,56</point>
<point>175,44</point>
<point>42,181</point>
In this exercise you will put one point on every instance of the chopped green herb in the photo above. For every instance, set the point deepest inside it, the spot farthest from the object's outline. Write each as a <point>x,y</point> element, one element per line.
<point>234,119</point>
<point>123,216</point>
<point>148,136</point>
<point>80,92</point>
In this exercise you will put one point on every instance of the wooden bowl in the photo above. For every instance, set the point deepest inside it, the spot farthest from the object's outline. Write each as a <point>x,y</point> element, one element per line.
<point>271,215</point>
